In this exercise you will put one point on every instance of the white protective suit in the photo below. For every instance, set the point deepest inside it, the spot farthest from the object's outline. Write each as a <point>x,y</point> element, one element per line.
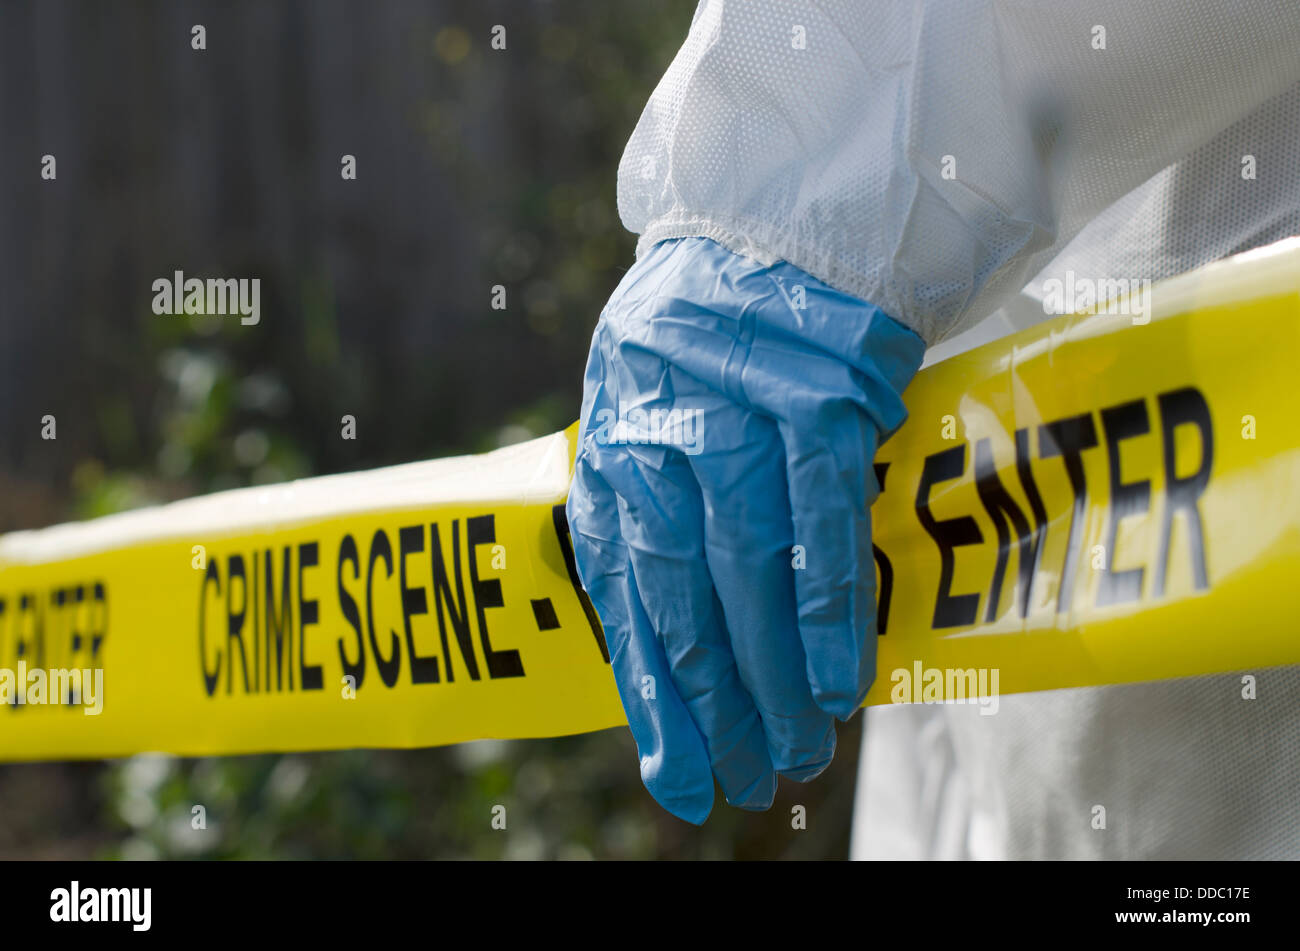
<point>1186,769</point>
<point>940,159</point>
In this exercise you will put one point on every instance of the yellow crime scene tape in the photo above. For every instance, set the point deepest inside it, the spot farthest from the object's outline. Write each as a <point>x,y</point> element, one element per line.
<point>1094,500</point>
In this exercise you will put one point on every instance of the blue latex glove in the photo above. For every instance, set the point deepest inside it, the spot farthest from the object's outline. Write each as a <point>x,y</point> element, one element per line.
<point>720,513</point>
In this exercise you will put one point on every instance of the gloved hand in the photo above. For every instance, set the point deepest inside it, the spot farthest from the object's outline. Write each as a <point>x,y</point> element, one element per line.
<point>720,513</point>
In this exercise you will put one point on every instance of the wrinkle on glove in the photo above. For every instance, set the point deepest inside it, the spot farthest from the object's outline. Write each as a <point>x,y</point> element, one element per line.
<point>720,513</point>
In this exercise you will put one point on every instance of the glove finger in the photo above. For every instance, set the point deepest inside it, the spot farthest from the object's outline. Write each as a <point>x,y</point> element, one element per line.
<point>674,760</point>
<point>748,540</point>
<point>832,484</point>
<point>662,523</point>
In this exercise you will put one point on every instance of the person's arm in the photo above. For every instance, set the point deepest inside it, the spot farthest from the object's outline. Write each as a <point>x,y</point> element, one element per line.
<point>864,168</point>
<point>930,156</point>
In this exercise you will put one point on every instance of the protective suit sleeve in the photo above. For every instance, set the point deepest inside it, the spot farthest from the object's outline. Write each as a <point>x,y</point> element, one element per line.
<point>930,156</point>
<point>720,512</point>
